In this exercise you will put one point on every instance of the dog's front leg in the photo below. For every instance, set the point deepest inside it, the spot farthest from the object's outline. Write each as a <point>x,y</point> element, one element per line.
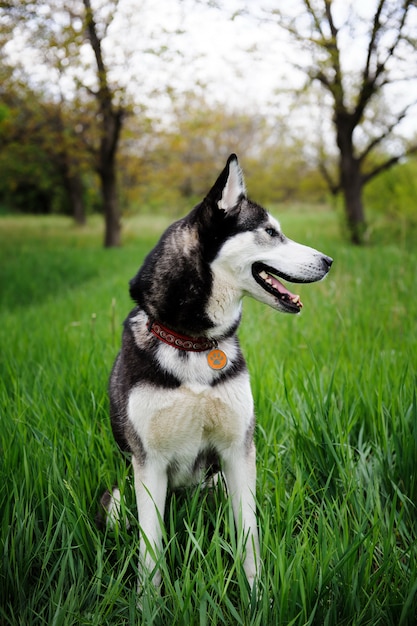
<point>151,488</point>
<point>239,467</point>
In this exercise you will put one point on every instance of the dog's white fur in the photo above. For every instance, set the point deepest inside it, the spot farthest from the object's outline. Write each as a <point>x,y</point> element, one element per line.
<point>185,420</point>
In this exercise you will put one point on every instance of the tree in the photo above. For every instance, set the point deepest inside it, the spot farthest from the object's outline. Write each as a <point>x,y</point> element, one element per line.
<point>110,118</point>
<point>56,33</point>
<point>332,41</point>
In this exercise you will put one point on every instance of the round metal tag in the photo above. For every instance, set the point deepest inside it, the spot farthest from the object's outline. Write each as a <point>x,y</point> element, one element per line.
<point>217,359</point>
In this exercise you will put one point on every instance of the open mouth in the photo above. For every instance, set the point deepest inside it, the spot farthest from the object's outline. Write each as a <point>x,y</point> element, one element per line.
<point>263,275</point>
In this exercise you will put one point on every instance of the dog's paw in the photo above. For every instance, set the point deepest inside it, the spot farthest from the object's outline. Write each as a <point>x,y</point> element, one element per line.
<point>110,514</point>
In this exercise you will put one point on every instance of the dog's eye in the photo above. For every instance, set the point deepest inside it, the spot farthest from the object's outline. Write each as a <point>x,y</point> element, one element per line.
<point>271,232</point>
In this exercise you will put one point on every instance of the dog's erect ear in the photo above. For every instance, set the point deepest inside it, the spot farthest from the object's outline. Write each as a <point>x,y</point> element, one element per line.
<point>229,188</point>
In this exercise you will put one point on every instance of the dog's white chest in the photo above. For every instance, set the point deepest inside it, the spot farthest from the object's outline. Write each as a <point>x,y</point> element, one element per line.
<point>182,422</point>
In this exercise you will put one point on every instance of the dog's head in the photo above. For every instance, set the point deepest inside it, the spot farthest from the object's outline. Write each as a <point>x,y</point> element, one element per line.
<point>247,247</point>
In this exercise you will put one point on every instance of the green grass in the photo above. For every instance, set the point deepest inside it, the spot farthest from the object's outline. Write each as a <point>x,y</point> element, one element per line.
<point>335,394</point>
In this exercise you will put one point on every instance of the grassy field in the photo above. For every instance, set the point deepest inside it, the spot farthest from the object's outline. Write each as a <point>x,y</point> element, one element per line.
<point>335,393</point>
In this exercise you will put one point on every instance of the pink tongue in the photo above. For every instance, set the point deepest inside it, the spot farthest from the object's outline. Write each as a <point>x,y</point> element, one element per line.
<point>280,287</point>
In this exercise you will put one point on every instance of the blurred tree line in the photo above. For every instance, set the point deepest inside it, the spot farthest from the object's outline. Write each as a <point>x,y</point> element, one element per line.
<point>74,140</point>
<point>44,161</point>
<point>48,167</point>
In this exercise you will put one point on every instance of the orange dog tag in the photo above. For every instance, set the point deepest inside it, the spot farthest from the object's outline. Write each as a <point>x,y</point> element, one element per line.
<point>217,359</point>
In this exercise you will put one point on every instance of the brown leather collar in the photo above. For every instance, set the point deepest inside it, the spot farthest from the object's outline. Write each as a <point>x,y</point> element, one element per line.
<point>181,342</point>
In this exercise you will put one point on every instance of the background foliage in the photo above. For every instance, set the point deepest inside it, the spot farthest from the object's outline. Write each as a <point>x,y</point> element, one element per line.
<point>100,93</point>
<point>162,167</point>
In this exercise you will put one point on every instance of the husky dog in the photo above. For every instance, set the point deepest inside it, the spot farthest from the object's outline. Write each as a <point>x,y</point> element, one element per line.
<point>180,398</point>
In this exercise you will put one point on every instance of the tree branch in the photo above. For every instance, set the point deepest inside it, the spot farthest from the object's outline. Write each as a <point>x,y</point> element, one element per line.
<point>96,45</point>
<point>329,16</point>
<point>330,45</point>
<point>400,28</point>
<point>377,140</point>
<point>332,185</point>
<point>372,40</point>
<point>387,164</point>
<point>317,22</point>
<point>370,84</point>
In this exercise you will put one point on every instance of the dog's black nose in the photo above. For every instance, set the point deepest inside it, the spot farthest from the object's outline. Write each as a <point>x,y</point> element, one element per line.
<point>327,262</point>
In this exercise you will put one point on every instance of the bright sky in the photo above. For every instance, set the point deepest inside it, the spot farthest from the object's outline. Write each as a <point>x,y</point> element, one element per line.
<point>242,60</point>
<point>239,59</point>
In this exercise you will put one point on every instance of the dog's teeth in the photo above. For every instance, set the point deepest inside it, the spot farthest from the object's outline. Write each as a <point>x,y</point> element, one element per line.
<point>297,301</point>
<point>266,277</point>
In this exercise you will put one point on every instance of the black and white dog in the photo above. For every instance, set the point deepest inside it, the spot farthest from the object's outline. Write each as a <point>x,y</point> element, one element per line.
<point>180,397</point>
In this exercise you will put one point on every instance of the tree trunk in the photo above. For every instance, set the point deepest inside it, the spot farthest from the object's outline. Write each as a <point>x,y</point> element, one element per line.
<point>352,186</point>
<point>112,234</point>
<point>351,180</point>
<point>75,191</point>
<point>111,126</point>
<point>111,119</point>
